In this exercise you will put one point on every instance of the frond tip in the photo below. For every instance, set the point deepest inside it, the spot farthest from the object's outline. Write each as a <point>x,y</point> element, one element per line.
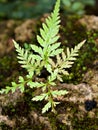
<point>49,30</point>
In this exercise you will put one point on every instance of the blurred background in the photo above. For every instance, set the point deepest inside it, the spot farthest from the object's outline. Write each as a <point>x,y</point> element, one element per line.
<point>22,9</point>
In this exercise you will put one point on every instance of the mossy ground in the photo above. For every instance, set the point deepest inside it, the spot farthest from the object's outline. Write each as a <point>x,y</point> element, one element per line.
<point>71,34</point>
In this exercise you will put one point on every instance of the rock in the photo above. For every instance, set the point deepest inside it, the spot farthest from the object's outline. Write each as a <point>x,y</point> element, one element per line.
<point>76,93</point>
<point>24,32</point>
<point>7,121</point>
<point>38,120</point>
<point>91,77</point>
<point>6,32</point>
<point>10,98</point>
<point>90,21</point>
<point>5,100</point>
<point>65,119</point>
<point>18,30</point>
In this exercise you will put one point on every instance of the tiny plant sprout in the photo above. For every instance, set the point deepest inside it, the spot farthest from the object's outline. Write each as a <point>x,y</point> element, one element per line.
<point>40,57</point>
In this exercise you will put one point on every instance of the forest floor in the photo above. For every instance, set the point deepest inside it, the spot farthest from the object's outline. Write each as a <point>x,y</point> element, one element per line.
<point>78,109</point>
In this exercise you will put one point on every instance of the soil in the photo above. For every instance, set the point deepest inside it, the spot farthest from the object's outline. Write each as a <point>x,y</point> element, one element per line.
<point>78,110</point>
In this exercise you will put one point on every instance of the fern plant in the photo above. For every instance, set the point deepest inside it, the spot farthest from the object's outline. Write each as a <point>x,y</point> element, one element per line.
<point>42,57</point>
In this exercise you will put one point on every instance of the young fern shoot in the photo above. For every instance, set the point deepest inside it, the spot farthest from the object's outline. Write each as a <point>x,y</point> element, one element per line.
<point>43,58</point>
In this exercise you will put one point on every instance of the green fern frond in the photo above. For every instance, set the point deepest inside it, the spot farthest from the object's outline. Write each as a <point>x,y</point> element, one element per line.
<point>48,38</point>
<point>50,29</point>
<point>65,60</point>
<point>46,107</point>
<point>57,93</point>
<point>8,88</point>
<point>39,97</point>
<point>34,63</point>
<point>74,52</point>
<point>14,86</point>
<point>35,84</point>
<point>27,60</point>
<point>71,56</point>
<point>48,34</point>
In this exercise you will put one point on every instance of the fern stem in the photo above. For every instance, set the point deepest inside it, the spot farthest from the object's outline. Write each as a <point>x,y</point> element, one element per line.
<point>51,98</point>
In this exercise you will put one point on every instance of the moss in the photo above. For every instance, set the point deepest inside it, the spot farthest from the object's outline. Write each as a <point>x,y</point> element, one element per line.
<point>81,120</point>
<point>71,34</point>
<point>52,119</point>
<point>63,127</point>
<point>85,124</point>
<point>22,127</point>
<point>3,126</point>
<point>9,69</point>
